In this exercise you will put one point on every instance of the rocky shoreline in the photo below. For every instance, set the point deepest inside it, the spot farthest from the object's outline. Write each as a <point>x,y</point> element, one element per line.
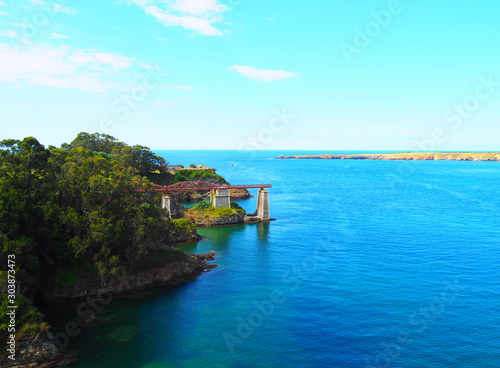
<point>172,273</point>
<point>43,350</point>
<point>408,156</point>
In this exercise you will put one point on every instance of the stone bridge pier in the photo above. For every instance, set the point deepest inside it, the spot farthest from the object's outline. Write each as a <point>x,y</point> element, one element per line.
<point>220,198</point>
<point>263,205</point>
<point>166,202</point>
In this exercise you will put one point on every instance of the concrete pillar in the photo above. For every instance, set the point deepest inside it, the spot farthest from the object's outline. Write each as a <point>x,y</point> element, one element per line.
<point>212,194</point>
<point>263,204</point>
<point>166,203</point>
<point>221,198</point>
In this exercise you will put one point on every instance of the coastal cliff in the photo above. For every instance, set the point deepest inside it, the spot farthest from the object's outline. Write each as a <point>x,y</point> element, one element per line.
<point>171,267</point>
<point>37,347</point>
<point>429,156</point>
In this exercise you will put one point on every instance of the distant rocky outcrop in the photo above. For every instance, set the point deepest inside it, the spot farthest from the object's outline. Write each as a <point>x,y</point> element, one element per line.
<point>417,156</point>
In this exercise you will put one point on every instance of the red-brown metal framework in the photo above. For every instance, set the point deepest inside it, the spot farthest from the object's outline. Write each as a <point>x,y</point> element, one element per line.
<point>203,186</point>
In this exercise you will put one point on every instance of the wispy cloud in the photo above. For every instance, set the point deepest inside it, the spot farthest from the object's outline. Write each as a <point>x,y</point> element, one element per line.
<point>57,36</point>
<point>196,15</point>
<point>262,74</point>
<point>2,3</point>
<point>9,33</point>
<point>19,25</point>
<point>66,67</point>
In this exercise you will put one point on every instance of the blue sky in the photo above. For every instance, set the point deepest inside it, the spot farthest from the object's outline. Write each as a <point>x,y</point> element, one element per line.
<point>245,74</point>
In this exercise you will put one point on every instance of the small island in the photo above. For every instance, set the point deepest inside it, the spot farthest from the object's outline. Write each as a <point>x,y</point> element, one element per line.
<point>404,156</point>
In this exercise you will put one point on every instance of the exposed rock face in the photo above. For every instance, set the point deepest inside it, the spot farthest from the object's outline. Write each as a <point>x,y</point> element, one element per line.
<point>184,237</point>
<point>172,273</point>
<point>176,210</point>
<point>187,196</point>
<point>239,194</point>
<point>429,156</point>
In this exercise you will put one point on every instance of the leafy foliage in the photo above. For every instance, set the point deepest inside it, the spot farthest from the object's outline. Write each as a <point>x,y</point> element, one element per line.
<point>202,205</point>
<point>208,210</point>
<point>83,209</point>
<point>206,175</point>
<point>235,206</point>
<point>27,316</point>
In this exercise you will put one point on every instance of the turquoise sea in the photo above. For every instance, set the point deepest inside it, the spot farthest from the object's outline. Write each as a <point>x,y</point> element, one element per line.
<point>368,264</point>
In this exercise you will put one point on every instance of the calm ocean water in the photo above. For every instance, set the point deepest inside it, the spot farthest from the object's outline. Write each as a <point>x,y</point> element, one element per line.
<point>369,264</point>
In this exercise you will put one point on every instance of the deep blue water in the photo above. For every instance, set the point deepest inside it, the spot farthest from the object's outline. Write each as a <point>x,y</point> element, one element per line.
<point>370,263</point>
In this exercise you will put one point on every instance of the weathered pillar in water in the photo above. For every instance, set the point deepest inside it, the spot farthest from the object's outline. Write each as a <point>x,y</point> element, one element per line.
<point>166,203</point>
<point>263,204</point>
<point>222,198</point>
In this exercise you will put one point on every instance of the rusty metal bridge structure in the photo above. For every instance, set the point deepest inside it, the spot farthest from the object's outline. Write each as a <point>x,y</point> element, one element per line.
<point>220,194</point>
<point>202,186</point>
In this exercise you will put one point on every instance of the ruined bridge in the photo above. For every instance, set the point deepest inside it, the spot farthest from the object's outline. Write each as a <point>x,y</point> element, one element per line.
<point>219,195</point>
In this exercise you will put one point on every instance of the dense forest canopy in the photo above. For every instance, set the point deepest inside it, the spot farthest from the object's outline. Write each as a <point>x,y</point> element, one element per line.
<point>77,208</point>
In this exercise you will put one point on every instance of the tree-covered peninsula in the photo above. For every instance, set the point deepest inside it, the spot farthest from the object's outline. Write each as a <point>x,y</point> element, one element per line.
<point>82,210</point>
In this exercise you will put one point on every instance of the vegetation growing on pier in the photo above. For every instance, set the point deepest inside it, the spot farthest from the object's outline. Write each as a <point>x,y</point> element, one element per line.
<point>205,209</point>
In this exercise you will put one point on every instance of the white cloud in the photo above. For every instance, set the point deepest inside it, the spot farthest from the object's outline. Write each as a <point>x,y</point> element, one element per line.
<point>3,13</point>
<point>67,67</point>
<point>19,25</point>
<point>2,3</point>
<point>262,74</point>
<point>196,15</point>
<point>57,36</point>
<point>201,8</point>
